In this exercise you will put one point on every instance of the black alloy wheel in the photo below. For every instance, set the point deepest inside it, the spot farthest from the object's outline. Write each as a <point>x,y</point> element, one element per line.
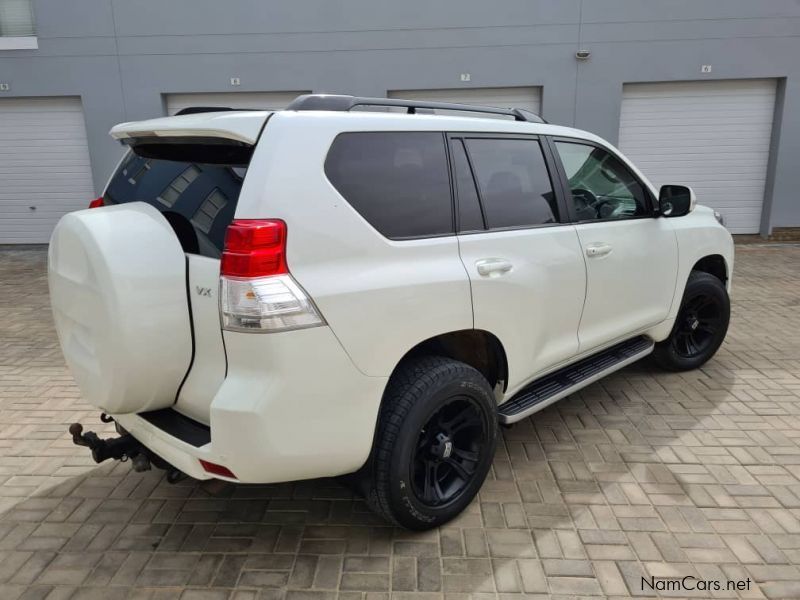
<point>434,445</point>
<point>700,327</point>
<point>698,323</point>
<point>448,452</point>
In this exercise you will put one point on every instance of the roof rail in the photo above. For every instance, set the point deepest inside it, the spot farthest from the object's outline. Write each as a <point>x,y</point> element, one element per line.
<point>193,110</point>
<point>346,103</point>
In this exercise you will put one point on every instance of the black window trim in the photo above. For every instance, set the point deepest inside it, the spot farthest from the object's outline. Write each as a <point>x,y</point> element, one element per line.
<point>564,217</point>
<point>457,206</point>
<point>451,174</point>
<point>651,212</point>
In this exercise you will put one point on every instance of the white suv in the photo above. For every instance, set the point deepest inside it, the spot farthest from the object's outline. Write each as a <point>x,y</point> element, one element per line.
<point>325,290</point>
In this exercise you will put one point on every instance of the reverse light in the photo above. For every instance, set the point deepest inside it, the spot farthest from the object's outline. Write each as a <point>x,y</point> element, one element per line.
<point>215,469</point>
<point>257,293</point>
<point>97,203</point>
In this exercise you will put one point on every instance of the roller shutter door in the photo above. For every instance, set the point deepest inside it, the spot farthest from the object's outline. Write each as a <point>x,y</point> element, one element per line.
<point>711,135</point>
<point>44,166</point>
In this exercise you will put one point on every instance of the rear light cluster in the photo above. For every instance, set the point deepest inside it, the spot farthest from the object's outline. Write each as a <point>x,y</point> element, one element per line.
<point>97,203</point>
<point>255,248</point>
<point>257,293</point>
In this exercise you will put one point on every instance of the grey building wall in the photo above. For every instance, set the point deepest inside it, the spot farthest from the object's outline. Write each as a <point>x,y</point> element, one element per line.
<point>122,56</point>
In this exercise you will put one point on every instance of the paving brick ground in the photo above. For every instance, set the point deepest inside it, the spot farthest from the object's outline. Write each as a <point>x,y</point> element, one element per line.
<point>644,474</point>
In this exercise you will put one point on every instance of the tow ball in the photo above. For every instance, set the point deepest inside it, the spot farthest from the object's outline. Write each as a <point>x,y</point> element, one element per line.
<point>122,448</point>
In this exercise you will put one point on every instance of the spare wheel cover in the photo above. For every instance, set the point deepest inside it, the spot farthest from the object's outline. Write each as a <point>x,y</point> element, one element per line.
<point>117,279</point>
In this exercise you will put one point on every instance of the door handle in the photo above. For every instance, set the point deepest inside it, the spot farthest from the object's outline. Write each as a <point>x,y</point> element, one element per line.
<point>493,267</point>
<point>600,249</point>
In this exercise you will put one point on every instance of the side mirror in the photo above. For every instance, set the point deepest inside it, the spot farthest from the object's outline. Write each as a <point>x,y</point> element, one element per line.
<point>676,200</point>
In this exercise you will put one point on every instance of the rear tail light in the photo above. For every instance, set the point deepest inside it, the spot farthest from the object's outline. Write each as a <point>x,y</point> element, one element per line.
<point>255,248</point>
<point>257,293</point>
<point>216,469</point>
<point>97,203</point>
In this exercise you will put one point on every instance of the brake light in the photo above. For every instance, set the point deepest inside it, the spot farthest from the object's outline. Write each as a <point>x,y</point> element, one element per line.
<point>255,248</point>
<point>257,293</point>
<point>216,469</point>
<point>97,203</point>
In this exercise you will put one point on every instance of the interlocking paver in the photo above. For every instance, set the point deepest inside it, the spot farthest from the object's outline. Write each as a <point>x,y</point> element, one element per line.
<point>643,474</point>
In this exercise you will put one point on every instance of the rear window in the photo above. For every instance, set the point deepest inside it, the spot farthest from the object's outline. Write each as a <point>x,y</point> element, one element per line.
<point>397,181</point>
<point>195,186</point>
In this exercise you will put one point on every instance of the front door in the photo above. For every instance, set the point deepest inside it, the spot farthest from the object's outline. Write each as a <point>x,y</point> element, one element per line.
<point>525,266</point>
<point>631,256</point>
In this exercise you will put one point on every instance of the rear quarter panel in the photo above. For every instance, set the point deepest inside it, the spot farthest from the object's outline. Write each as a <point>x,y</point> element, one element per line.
<point>380,297</point>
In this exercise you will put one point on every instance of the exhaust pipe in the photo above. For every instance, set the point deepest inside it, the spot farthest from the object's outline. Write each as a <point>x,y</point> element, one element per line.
<point>140,463</point>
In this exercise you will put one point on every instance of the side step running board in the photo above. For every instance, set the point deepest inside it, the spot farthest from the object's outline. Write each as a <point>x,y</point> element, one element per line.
<point>570,379</point>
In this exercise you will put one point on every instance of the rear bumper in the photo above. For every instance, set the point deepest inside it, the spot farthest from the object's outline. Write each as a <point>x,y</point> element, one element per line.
<point>292,406</point>
<point>179,454</point>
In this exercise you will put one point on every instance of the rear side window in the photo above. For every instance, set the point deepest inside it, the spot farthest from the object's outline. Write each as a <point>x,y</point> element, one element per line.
<point>397,181</point>
<point>197,196</point>
<point>514,182</point>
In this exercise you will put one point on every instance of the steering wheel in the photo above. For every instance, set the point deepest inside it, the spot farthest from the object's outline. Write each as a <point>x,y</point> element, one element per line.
<point>585,197</point>
<point>585,204</point>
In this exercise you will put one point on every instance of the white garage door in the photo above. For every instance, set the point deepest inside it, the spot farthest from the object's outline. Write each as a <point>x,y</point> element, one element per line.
<point>711,135</point>
<point>44,166</point>
<point>529,98</point>
<point>260,100</point>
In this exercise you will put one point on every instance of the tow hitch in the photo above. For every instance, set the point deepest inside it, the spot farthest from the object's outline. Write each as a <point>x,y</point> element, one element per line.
<point>122,448</point>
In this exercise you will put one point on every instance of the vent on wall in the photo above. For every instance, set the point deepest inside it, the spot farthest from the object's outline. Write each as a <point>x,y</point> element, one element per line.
<point>16,18</point>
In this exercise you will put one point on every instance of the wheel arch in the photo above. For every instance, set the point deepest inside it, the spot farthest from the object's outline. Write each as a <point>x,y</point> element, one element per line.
<point>476,347</point>
<point>713,264</point>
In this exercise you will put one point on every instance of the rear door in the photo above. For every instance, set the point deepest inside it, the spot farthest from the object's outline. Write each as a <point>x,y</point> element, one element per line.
<point>524,263</point>
<point>631,255</point>
<point>196,187</point>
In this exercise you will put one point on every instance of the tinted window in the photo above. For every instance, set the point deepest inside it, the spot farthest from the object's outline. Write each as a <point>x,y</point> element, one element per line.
<point>514,182</point>
<point>469,208</point>
<point>397,181</point>
<point>198,199</point>
<point>601,186</point>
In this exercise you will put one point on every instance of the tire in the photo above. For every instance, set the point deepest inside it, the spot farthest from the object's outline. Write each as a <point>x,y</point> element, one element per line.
<point>429,402</point>
<point>700,326</point>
